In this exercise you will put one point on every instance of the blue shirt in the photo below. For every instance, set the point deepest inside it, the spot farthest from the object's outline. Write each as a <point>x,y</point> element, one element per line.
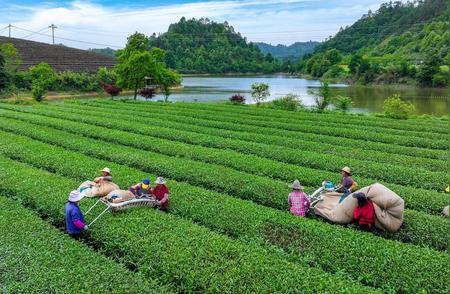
<point>73,213</point>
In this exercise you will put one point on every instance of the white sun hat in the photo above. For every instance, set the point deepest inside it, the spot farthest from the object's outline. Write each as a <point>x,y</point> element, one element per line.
<point>76,196</point>
<point>160,181</point>
<point>106,170</point>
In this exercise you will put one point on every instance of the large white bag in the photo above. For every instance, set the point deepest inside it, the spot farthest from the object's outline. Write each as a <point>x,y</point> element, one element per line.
<point>92,189</point>
<point>388,206</point>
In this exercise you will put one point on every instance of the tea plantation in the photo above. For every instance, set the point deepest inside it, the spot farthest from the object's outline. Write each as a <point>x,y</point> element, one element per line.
<point>228,229</point>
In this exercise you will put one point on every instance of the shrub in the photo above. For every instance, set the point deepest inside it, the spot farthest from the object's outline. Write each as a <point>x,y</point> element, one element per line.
<point>289,102</point>
<point>45,75</point>
<point>395,107</point>
<point>317,240</point>
<point>260,92</point>
<point>322,97</point>
<point>147,93</point>
<point>237,99</point>
<point>105,76</point>
<point>44,260</point>
<point>112,90</point>
<point>38,91</point>
<point>74,81</point>
<point>342,103</point>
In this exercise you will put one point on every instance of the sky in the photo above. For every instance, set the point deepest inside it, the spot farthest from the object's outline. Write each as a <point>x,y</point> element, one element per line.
<point>98,24</point>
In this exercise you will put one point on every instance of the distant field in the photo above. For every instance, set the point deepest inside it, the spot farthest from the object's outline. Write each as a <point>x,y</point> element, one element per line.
<point>228,229</point>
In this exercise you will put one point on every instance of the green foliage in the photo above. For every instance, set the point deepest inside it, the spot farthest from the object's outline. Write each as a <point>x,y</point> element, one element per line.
<point>50,260</point>
<point>389,46</point>
<point>289,102</point>
<point>105,76</point>
<point>4,77</point>
<point>395,107</point>
<point>38,91</point>
<point>322,97</point>
<point>164,129</point>
<point>136,62</point>
<point>172,249</point>
<point>263,225</point>
<point>342,103</point>
<point>204,46</point>
<point>260,92</point>
<point>44,75</point>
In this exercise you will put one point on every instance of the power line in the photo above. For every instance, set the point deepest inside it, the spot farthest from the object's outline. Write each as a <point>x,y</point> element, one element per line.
<point>29,35</point>
<point>67,39</point>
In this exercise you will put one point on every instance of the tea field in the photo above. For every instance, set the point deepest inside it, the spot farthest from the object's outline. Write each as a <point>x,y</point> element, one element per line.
<point>228,229</point>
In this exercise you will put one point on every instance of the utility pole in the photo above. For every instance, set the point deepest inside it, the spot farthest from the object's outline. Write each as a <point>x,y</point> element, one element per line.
<point>9,27</point>
<point>53,27</point>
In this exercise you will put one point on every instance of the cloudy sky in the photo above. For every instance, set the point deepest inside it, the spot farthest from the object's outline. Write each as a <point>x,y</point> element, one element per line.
<point>94,24</point>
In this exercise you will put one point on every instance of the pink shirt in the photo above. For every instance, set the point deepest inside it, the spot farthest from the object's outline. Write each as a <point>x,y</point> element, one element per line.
<point>298,203</point>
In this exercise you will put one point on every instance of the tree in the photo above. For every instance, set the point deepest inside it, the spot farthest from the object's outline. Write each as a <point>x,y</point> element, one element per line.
<point>44,74</point>
<point>343,103</point>
<point>136,62</point>
<point>4,77</point>
<point>167,79</point>
<point>131,72</point>
<point>260,92</point>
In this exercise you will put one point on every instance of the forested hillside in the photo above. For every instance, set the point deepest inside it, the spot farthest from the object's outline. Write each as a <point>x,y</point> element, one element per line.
<point>399,43</point>
<point>291,52</point>
<point>204,46</point>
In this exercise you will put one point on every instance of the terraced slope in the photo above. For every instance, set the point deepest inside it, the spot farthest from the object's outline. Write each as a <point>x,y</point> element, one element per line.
<point>60,58</point>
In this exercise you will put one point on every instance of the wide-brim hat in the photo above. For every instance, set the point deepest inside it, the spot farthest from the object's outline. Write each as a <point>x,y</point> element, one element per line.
<point>106,170</point>
<point>76,196</point>
<point>160,181</point>
<point>347,170</point>
<point>296,185</point>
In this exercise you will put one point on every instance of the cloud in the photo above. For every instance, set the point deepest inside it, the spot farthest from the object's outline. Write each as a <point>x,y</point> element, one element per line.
<point>274,21</point>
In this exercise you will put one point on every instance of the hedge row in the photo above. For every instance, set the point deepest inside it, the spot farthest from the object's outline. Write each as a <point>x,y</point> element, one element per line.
<point>418,178</point>
<point>266,135</point>
<point>362,257</point>
<point>268,121</point>
<point>374,134</point>
<point>417,199</point>
<point>404,175</point>
<point>272,194</point>
<point>327,144</point>
<point>435,126</point>
<point>190,257</point>
<point>37,258</point>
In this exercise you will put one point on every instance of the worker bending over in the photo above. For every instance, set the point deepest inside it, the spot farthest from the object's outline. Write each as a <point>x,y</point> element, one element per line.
<point>161,193</point>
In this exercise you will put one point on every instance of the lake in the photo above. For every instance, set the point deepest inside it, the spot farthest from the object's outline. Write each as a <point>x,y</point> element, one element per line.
<point>365,99</point>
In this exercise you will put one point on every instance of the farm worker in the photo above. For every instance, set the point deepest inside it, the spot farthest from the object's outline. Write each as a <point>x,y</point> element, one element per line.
<point>106,176</point>
<point>161,193</point>
<point>447,190</point>
<point>297,199</point>
<point>364,213</point>
<point>74,217</point>
<point>142,188</point>
<point>348,185</point>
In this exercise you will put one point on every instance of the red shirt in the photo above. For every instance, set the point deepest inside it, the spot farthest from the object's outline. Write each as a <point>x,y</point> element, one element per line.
<point>159,192</point>
<point>365,214</point>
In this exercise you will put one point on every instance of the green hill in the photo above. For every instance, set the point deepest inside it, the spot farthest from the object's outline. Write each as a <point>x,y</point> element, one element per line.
<point>399,43</point>
<point>291,52</point>
<point>204,46</point>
